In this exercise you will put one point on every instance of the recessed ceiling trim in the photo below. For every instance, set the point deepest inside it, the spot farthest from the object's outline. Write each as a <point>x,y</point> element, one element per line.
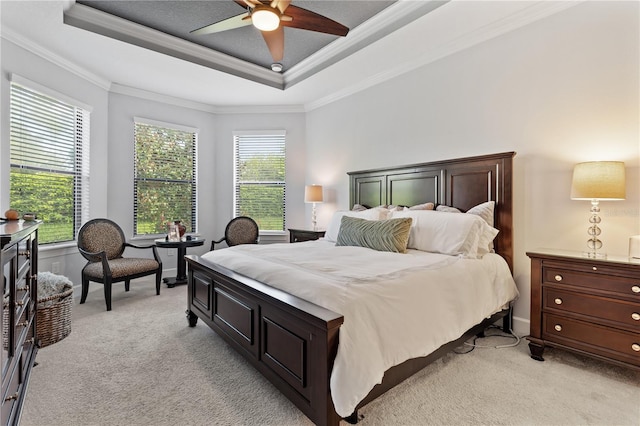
<point>199,106</point>
<point>388,20</point>
<point>99,22</point>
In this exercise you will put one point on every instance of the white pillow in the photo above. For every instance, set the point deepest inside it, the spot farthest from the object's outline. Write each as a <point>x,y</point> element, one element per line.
<point>485,211</point>
<point>377,213</point>
<point>448,233</point>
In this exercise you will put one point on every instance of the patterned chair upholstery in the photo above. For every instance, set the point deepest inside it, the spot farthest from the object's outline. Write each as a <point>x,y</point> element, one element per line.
<point>240,230</point>
<point>102,243</point>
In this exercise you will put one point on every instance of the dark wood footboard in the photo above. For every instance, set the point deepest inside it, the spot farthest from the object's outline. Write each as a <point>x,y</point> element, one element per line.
<point>290,341</point>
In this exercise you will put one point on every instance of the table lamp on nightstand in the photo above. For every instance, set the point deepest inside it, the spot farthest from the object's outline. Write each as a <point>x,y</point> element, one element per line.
<point>595,181</point>
<point>313,194</point>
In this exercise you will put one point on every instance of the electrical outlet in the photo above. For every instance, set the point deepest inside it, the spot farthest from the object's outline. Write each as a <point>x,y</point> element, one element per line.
<point>55,268</point>
<point>171,252</point>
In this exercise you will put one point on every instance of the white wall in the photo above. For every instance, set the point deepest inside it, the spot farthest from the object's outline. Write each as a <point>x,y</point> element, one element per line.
<point>559,91</point>
<point>33,67</point>
<point>294,124</point>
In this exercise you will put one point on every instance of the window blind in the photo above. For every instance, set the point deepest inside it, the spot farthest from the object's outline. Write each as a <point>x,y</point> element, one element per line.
<point>164,177</point>
<point>49,156</point>
<point>259,179</point>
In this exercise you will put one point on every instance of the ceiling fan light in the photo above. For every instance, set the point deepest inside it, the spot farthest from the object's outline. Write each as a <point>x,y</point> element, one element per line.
<point>277,67</point>
<point>265,18</point>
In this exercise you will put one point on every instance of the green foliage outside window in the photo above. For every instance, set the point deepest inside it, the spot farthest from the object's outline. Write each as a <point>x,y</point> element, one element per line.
<point>164,178</point>
<point>264,204</point>
<point>50,196</point>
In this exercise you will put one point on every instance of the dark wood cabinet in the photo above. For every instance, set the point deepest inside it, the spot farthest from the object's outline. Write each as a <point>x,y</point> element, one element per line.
<point>589,306</point>
<point>19,262</point>
<point>299,235</point>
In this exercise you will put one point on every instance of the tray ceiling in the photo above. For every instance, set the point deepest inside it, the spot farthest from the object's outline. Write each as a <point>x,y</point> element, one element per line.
<point>165,26</point>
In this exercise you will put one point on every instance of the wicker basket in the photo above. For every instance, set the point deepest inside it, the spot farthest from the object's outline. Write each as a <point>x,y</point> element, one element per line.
<point>54,319</point>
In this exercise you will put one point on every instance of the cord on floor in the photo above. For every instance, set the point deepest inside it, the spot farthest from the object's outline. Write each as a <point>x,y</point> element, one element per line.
<point>472,343</point>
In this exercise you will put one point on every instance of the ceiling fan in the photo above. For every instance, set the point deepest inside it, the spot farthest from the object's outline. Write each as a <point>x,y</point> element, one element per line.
<point>269,17</point>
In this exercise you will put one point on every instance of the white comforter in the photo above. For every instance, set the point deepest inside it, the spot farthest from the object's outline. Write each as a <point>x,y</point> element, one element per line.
<point>395,306</point>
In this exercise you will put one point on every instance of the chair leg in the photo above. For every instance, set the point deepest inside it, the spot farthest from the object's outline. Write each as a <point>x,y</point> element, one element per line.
<point>158,281</point>
<point>107,293</point>
<point>85,289</point>
<point>127,285</point>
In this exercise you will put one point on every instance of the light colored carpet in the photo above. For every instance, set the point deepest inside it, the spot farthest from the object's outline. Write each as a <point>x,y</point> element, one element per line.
<point>141,364</point>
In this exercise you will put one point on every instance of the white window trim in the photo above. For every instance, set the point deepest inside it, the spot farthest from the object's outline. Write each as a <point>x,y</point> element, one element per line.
<point>23,81</point>
<point>158,123</point>
<point>85,172</point>
<point>182,128</point>
<point>277,132</point>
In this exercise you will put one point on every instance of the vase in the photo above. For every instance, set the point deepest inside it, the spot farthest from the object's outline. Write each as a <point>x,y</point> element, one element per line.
<point>181,228</point>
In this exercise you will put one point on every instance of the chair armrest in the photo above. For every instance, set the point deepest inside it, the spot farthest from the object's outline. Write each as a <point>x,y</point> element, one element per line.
<point>93,257</point>
<point>152,247</point>
<point>138,247</point>
<point>213,243</point>
<point>98,257</point>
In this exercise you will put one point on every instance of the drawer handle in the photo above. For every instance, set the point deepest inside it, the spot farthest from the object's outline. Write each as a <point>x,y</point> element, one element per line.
<point>22,324</point>
<point>12,397</point>
<point>635,316</point>
<point>558,277</point>
<point>19,302</point>
<point>558,327</point>
<point>558,301</point>
<point>635,289</point>
<point>595,268</point>
<point>635,347</point>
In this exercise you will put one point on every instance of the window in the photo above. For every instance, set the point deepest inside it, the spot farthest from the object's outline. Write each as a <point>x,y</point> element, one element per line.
<point>260,178</point>
<point>164,176</point>
<point>49,156</point>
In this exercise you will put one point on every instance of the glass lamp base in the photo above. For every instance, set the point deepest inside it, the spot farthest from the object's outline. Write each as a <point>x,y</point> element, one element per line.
<point>594,255</point>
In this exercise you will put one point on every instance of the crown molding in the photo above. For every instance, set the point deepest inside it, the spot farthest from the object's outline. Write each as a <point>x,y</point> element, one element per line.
<point>528,15</point>
<point>23,42</point>
<point>199,106</point>
<point>384,23</point>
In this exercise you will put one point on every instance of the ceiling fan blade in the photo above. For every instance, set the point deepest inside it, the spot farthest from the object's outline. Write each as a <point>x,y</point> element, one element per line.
<point>280,4</point>
<point>224,25</point>
<point>275,42</point>
<point>250,3</point>
<point>306,20</point>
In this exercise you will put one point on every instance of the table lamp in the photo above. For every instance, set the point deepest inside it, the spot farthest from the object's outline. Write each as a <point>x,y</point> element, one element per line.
<point>595,181</point>
<point>313,194</point>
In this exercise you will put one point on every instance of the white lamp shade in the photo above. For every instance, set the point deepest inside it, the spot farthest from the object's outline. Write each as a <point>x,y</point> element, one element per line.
<point>598,180</point>
<point>313,194</point>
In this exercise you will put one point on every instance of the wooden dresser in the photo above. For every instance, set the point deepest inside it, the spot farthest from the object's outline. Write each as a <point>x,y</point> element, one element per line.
<point>589,306</point>
<point>19,260</point>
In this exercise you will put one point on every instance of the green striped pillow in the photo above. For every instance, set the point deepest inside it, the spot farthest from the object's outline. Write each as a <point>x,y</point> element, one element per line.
<point>382,235</point>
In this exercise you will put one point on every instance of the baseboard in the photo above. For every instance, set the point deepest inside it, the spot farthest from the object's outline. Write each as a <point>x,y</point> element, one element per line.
<point>520,326</point>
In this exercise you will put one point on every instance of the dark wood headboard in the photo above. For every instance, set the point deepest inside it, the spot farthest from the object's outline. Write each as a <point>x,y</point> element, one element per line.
<point>462,183</point>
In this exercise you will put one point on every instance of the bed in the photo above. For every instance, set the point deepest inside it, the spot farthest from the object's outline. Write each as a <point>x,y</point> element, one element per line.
<point>294,342</point>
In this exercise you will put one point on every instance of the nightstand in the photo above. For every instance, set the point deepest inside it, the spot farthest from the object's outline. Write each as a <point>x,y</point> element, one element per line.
<point>589,306</point>
<point>299,235</point>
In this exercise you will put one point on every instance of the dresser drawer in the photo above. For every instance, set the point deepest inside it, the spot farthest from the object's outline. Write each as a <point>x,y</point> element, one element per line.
<point>593,338</point>
<point>11,394</point>
<point>618,313</point>
<point>599,279</point>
